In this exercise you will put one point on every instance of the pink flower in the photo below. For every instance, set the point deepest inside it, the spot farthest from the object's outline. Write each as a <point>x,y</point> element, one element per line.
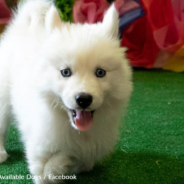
<point>125,6</point>
<point>5,12</point>
<point>90,11</point>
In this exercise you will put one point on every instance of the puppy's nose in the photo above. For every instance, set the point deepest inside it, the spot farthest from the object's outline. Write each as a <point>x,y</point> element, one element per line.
<point>84,100</point>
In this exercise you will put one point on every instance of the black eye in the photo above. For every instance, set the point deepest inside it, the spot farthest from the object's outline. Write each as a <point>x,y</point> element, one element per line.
<point>66,72</point>
<point>100,72</point>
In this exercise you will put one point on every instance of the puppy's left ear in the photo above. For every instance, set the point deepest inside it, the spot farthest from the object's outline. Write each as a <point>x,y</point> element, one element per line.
<point>52,19</point>
<point>111,22</point>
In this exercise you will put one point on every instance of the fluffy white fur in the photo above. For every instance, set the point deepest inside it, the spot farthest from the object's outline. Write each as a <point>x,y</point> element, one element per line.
<point>33,50</point>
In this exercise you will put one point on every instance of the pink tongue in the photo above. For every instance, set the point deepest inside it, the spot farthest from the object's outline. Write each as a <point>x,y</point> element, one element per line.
<point>83,120</point>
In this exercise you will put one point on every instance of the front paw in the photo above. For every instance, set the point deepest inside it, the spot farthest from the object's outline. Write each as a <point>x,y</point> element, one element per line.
<point>59,167</point>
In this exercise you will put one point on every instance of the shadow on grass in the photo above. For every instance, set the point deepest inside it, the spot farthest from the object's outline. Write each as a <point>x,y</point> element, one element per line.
<point>135,168</point>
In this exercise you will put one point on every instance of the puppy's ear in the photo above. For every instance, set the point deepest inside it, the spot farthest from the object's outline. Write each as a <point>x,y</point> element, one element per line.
<point>52,19</point>
<point>111,22</point>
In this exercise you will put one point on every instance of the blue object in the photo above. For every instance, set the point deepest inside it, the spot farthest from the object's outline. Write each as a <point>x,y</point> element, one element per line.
<point>128,18</point>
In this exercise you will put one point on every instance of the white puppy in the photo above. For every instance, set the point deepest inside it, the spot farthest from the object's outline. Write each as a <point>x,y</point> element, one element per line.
<point>66,84</point>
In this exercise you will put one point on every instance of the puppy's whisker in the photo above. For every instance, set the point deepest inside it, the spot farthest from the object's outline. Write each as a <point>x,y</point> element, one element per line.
<point>67,123</point>
<point>106,102</point>
<point>54,102</point>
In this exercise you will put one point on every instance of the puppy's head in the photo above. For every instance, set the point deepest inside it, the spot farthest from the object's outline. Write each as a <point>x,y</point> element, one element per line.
<point>86,66</point>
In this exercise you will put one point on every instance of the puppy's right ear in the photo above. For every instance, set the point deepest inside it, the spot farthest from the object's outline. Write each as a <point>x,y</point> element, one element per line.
<point>52,19</point>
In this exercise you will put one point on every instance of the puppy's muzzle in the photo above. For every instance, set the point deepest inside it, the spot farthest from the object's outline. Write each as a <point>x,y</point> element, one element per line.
<point>84,100</point>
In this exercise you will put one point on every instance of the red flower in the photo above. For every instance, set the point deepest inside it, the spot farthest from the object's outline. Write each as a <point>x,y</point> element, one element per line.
<point>90,11</point>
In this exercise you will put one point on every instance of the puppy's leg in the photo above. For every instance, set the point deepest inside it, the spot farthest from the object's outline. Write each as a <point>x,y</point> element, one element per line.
<point>47,169</point>
<point>4,110</point>
<point>36,162</point>
<point>60,164</point>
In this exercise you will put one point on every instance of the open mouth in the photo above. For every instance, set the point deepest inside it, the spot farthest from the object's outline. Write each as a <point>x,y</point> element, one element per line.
<point>82,119</point>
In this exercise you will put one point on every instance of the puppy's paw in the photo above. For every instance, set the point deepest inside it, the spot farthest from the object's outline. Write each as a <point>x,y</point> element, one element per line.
<point>58,166</point>
<point>3,156</point>
<point>86,168</point>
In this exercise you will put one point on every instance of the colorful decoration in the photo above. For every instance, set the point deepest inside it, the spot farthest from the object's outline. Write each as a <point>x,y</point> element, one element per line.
<point>176,62</point>
<point>153,31</point>
<point>90,11</point>
<point>5,12</point>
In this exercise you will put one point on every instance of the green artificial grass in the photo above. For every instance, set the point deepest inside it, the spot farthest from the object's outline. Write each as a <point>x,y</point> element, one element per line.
<point>151,145</point>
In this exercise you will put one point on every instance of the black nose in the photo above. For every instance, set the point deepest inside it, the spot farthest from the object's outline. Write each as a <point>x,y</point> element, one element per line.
<point>84,100</point>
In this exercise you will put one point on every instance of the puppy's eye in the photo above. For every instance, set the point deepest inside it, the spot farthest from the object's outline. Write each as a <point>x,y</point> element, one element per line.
<point>100,72</point>
<point>66,72</point>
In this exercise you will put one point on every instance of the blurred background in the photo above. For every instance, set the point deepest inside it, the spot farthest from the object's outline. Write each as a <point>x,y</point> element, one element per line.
<point>152,31</point>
